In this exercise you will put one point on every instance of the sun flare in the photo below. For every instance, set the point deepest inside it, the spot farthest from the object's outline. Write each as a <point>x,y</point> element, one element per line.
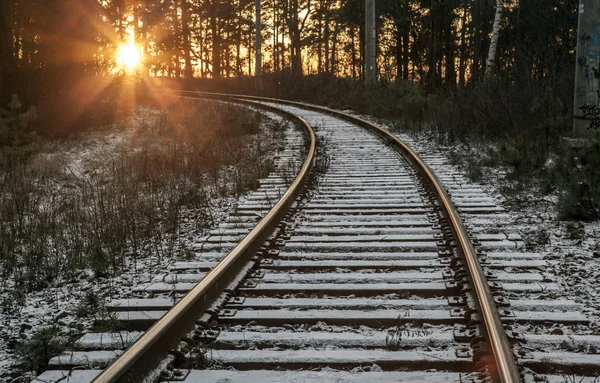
<point>129,56</point>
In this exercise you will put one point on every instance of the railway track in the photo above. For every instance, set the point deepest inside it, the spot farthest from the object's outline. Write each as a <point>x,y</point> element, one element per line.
<point>363,271</point>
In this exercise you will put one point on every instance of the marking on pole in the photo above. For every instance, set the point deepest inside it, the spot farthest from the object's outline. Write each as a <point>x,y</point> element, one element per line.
<point>581,8</point>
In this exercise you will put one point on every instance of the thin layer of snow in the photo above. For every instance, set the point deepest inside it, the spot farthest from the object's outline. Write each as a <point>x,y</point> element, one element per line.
<point>331,376</point>
<point>57,305</point>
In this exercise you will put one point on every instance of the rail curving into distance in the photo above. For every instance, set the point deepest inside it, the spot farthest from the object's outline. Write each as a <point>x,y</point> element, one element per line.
<point>178,321</point>
<point>140,358</point>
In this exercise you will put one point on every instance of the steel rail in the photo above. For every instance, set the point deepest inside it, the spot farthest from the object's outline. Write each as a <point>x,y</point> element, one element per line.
<point>506,369</point>
<point>139,358</point>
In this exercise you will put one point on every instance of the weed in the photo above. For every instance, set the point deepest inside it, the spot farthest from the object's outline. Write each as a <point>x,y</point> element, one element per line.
<point>541,237</point>
<point>35,353</point>
<point>579,181</point>
<point>474,171</point>
<point>56,218</point>
<point>90,306</point>
<point>574,230</point>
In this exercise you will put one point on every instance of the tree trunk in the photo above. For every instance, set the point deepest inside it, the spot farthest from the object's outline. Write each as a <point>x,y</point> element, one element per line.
<point>216,43</point>
<point>462,61</point>
<point>187,49</point>
<point>6,49</point>
<point>326,37</point>
<point>489,66</point>
<point>433,59</point>
<point>399,50</point>
<point>275,39</point>
<point>352,33</point>
<point>450,68</point>
<point>319,45</point>
<point>477,38</point>
<point>177,39</point>
<point>334,43</point>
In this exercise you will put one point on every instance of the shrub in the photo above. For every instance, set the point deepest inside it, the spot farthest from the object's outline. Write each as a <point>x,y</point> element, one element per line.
<point>579,182</point>
<point>129,201</point>
<point>35,353</point>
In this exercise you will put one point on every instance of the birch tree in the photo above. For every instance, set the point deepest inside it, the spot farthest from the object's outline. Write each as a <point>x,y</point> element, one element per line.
<point>489,65</point>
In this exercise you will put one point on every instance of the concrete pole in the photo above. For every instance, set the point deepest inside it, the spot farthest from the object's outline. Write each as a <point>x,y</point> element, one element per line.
<point>586,108</point>
<point>258,43</point>
<point>370,43</point>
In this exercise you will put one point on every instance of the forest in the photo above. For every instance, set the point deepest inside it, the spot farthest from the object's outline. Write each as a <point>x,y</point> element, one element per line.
<point>439,44</point>
<point>67,59</point>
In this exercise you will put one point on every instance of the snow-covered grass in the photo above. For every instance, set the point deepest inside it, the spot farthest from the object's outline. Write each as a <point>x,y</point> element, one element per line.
<point>87,217</point>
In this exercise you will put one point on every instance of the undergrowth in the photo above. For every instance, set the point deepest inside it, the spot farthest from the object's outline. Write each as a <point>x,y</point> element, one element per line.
<point>57,218</point>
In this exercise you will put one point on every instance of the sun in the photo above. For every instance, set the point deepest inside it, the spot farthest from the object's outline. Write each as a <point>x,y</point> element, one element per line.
<point>129,56</point>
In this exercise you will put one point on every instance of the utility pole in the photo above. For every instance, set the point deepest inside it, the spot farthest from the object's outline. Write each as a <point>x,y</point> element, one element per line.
<point>586,106</point>
<point>370,43</point>
<point>258,43</point>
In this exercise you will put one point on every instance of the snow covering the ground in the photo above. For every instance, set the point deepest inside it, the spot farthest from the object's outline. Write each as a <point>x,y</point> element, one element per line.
<point>574,260</point>
<point>57,304</point>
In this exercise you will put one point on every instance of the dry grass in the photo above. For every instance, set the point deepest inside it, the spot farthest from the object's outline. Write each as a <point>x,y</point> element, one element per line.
<point>61,211</point>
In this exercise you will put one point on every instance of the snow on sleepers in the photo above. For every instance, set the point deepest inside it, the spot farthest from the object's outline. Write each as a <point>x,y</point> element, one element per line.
<point>340,317</point>
<point>270,376</point>
<point>385,317</point>
<point>342,195</point>
<point>573,341</point>
<point>137,320</point>
<point>351,175</point>
<point>356,231</point>
<point>88,359</point>
<point>362,238</point>
<point>479,209</point>
<point>483,219</point>
<point>365,210</point>
<point>368,220</point>
<point>527,287</point>
<point>544,305</point>
<point>193,265</point>
<point>70,376</point>
<point>354,183</point>
<point>518,277</point>
<point>563,378</point>
<point>302,254</point>
<point>174,278</point>
<point>253,359</point>
<point>147,304</point>
<point>328,188</point>
<point>503,255</point>
<point>370,199</point>
<point>350,264</point>
<point>569,317</point>
<point>363,246</point>
<point>353,205</point>
<point>527,264</point>
<point>391,277</point>
<point>363,289</point>
<point>107,340</point>
<point>502,245</point>
<point>340,303</point>
<point>161,287</point>
<point>369,339</point>
<point>545,361</point>
<point>405,304</point>
<point>272,276</point>
<point>406,221</point>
